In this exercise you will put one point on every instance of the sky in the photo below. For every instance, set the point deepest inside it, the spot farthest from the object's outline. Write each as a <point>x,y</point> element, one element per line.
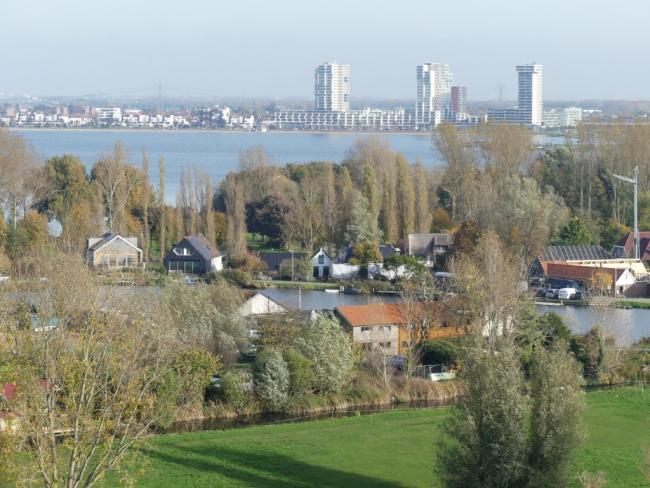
<point>590,49</point>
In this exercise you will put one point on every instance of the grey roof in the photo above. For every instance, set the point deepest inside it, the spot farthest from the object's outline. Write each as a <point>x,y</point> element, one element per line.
<point>574,253</point>
<point>423,244</point>
<point>201,245</point>
<point>104,239</point>
<point>274,259</point>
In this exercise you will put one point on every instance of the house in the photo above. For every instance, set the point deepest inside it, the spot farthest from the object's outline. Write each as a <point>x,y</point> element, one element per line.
<point>566,254</point>
<point>273,260</point>
<point>194,255</point>
<point>7,395</point>
<point>373,326</point>
<point>624,248</point>
<point>321,263</point>
<point>114,252</point>
<point>432,247</point>
<point>620,279</point>
<point>258,303</point>
<point>384,325</point>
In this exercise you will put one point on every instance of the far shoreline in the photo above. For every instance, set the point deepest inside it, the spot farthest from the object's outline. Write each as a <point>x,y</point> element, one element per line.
<point>236,131</point>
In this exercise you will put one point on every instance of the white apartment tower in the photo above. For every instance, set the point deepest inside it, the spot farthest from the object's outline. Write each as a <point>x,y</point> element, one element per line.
<point>433,93</point>
<point>531,102</point>
<point>332,87</point>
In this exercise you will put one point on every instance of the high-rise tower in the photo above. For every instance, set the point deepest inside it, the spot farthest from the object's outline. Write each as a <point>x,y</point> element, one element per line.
<point>332,87</point>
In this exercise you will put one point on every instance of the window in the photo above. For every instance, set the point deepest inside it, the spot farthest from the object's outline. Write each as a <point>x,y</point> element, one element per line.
<point>321,259</point>
<point>385,345</point>
<point>182,251</point>
<point>365,329</point>
<point>385,328</point>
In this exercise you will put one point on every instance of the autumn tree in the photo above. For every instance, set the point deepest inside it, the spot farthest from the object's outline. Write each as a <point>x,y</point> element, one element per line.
<point>406,198</point>
<point>422,207</point>
<point>236,215</point>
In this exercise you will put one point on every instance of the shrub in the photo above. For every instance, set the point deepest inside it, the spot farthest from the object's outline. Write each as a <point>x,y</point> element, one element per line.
<point>330,349</point>
<point>195,368</point>
<point>237,277</point>
<point>301,372</point>
<point>271,379</point>
<point>441,351</point>
<point>237,388</point>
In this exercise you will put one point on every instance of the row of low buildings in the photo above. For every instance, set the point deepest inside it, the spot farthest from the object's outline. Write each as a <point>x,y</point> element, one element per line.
<point>195,255</point>
<point>104,117</point>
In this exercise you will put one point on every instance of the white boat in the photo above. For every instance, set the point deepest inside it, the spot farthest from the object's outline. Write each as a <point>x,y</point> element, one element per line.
<point>332,290</point>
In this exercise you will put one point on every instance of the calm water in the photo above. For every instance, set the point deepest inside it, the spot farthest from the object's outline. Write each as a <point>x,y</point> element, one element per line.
<point>626,325</point>
<point>217,152</point>
<point>318,299</point>
<point>214,152</point>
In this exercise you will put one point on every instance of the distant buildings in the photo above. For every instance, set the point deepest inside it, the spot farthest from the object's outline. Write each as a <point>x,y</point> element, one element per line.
<point>530,103</point>
<point>332,87</point>
<point>459,99</point>
<point>433,94</point>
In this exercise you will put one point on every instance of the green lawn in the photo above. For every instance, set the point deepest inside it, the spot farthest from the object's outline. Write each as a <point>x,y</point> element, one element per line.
<point>384,450</point>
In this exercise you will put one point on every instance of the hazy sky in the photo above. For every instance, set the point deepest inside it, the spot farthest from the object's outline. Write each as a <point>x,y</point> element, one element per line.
<point>268,48</point>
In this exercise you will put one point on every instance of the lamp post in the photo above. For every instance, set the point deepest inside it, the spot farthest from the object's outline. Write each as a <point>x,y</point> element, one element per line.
<point>635,183</point>
<point>291,251</point>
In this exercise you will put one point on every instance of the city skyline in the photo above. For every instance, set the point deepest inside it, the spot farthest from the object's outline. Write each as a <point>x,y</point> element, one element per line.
<point>68,47</point>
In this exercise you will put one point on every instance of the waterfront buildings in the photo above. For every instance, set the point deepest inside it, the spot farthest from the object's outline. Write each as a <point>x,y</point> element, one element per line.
<point>562,117</point>
<point>434,81</point>
<point>332,87</point>
<point>530,105</point>
<point>459,99</point>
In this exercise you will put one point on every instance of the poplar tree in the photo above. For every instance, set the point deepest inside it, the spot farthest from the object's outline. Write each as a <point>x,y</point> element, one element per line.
<point>389,209</point>
<point>422,212</point>
<point>405,199</point>
<point>161,205</point>
<point>236,215</point>
<point>329,202</point>
<point>145,206</point>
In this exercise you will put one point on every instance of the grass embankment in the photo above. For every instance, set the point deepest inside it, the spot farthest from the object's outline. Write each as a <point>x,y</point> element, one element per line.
<point>392,449</point>
<point>643,303</point>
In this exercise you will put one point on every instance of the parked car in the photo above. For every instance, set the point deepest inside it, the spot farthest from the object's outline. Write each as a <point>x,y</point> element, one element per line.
<point>567,293</point>
<point>554,285</point>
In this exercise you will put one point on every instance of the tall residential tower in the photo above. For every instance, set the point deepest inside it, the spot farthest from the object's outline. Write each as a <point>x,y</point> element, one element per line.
<point>433,93</point>
<point>332,87</point>
<point>531,102</point>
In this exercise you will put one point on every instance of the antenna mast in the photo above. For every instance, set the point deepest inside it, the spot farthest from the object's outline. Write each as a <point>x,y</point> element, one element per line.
<point>635,183</point>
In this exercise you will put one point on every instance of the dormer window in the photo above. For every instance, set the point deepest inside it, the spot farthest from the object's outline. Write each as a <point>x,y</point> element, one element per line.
<point>182,251</point>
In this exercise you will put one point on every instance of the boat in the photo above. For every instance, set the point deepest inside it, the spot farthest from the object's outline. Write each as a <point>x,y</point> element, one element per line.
<point>350,290</point>
<point>331,290</point>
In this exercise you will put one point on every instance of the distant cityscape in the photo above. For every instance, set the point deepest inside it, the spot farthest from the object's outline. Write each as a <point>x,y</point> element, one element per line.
<point>437,100</point>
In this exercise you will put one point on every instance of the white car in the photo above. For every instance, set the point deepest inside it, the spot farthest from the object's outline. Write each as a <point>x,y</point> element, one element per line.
<point>567,293</point>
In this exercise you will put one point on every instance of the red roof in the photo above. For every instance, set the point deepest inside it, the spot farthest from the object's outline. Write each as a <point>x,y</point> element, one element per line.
<point>580,273</point>
<point>372,314</point>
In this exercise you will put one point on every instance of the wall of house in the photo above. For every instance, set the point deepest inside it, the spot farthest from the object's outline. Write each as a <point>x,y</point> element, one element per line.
<point>321,264</point>
<point>386,336</point>
<point>260,304</point>
<point>116,254</point>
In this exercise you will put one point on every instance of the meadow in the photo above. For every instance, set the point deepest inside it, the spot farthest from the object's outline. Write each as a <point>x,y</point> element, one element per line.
<point>393,449</point>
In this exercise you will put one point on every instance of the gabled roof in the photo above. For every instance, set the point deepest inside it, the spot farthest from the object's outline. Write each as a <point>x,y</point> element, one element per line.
<point>372,314</point>
<point>385,251</point>
<point>201,245</point>
<point>422,244</point>
<point>321,250</point>
<point>626,243</point>
<point>108,238</point>
<point>574,253</point>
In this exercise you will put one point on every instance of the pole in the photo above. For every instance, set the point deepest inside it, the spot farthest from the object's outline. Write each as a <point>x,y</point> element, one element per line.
<point>291,266</point>
<point>637,254</point>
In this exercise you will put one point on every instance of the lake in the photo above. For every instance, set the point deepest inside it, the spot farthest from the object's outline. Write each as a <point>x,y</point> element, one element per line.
<point>216,152</point>
<point>626,325</point>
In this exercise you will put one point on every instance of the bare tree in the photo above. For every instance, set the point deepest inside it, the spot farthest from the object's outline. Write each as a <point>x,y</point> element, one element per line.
<point>162,222</point>
<point>236,214</point>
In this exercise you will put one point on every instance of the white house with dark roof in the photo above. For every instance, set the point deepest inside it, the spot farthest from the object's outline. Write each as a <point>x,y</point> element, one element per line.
<point>114,252</point>
<point>193,255</point>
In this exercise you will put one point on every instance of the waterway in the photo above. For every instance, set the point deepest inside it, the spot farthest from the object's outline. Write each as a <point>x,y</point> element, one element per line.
<point>216,152</point>
<point>625,325</point>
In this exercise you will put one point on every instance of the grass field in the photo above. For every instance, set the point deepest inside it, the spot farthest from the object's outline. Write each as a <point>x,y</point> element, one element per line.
<point>395,449</point>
